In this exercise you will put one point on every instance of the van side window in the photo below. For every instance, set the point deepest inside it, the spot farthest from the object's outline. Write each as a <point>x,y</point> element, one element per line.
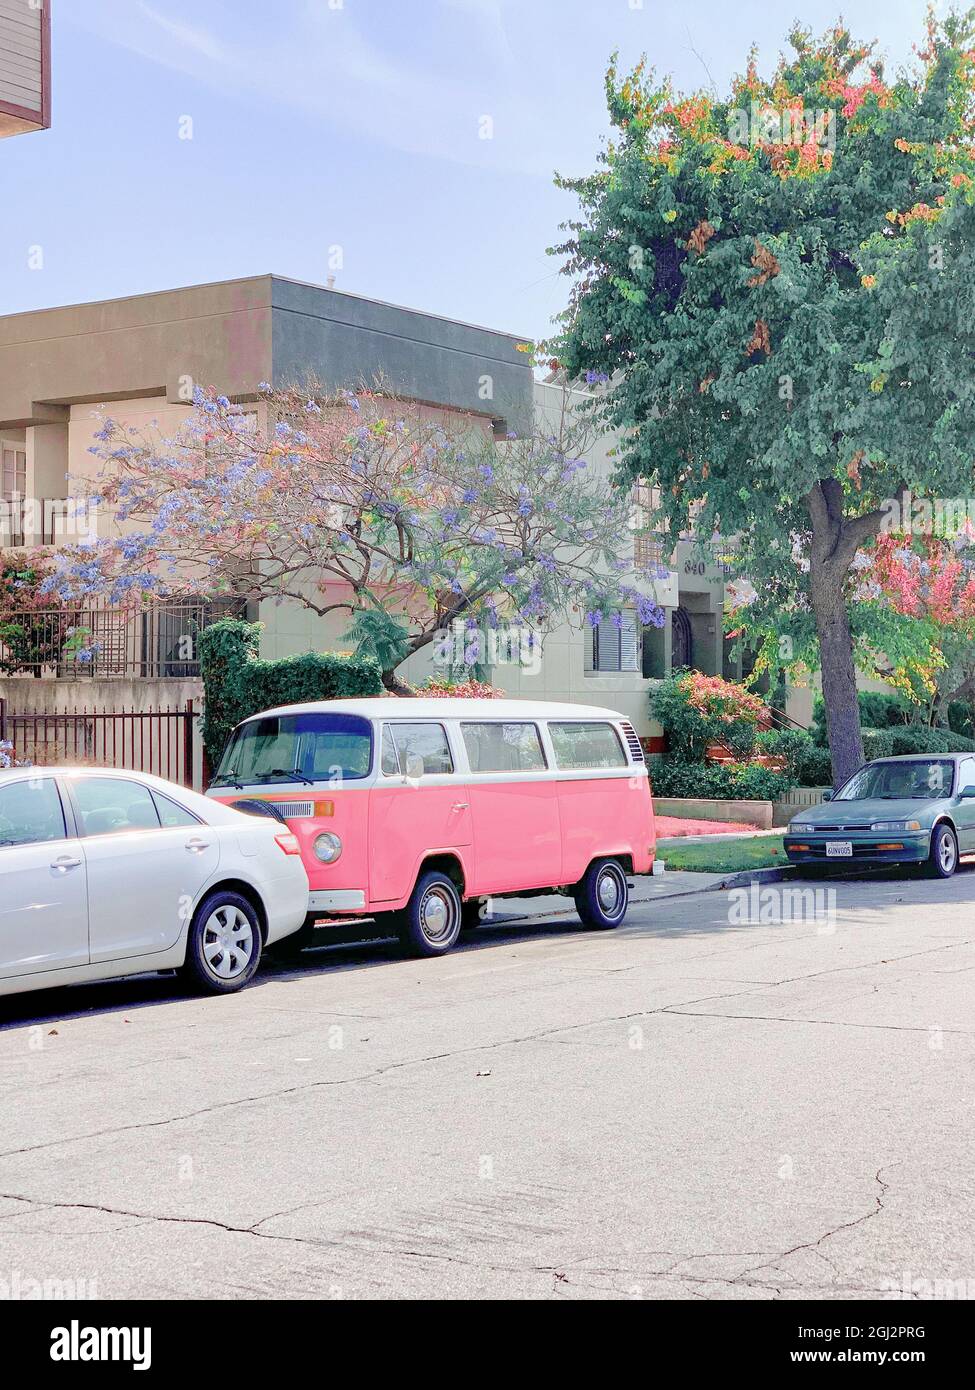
<point>582,746</point>
<point>390,762</point>
<point>426,741</point>
<point>497,747</point>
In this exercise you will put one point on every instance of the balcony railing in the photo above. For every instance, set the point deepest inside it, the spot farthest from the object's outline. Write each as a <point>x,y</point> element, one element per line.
<point>98,641</point>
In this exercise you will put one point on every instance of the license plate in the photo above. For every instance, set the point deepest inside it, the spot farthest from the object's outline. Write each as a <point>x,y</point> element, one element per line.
<point>839,849</point>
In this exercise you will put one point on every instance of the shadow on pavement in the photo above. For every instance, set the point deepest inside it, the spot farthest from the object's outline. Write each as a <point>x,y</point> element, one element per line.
<point>360,949</point>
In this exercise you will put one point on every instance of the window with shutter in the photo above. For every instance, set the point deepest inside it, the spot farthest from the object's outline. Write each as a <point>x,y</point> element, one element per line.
<point>616,647</point>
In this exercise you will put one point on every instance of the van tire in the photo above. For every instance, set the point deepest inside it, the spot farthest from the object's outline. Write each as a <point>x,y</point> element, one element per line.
<point>602,894</point>
<point>430,922</point>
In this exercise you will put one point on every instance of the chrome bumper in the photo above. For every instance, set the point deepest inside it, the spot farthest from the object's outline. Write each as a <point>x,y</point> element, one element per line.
<point>336,900</point>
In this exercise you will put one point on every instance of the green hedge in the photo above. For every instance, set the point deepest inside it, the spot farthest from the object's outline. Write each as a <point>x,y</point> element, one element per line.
<point>720,781</point>
<point>917,738</point>
<point>237,683</point>
<point>877,711</point>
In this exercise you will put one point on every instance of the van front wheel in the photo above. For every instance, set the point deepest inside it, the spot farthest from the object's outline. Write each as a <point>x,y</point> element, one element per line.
<point>602,894</point>
<point>430,922</point>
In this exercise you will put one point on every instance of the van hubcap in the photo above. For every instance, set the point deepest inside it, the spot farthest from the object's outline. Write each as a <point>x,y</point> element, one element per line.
<point>438,914</point>
<point>228,942</point>
<point>609,891</point>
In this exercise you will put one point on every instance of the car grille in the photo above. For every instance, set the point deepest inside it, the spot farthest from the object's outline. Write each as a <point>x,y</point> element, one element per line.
<point>295,810</point>
<point>818,829</point>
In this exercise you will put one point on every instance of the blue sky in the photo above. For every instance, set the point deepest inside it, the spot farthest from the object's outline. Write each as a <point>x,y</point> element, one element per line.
<point>352,124</point>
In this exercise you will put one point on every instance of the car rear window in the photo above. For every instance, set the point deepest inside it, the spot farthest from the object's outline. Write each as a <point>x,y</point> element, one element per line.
<point>585,746</point>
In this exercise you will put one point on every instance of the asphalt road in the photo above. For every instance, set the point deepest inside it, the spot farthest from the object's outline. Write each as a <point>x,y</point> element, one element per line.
<point>692,1106</point>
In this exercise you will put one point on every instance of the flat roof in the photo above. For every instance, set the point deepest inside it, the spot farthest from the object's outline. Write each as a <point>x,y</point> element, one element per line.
<point>451,707</point>
<point>270,276</point>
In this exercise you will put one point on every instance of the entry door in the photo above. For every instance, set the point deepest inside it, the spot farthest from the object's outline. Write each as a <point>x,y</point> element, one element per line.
<point>418,805</point>
<point>143,878</point>
<point>43,900</point>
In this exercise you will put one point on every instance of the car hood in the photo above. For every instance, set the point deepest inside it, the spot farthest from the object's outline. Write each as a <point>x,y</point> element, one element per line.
<point>864,812</point>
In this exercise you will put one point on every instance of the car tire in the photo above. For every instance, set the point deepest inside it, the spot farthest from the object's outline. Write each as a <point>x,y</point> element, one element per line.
<point>430,922</point>
<point>943,858</point>
<point>602,894</point>
<point>223,947</point>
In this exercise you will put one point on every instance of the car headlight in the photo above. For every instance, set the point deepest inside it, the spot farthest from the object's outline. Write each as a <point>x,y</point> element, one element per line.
<point>327,847</point>
<point>901,825</point>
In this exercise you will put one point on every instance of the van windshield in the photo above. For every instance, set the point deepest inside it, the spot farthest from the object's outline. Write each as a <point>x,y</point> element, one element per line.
<point>297,747</point>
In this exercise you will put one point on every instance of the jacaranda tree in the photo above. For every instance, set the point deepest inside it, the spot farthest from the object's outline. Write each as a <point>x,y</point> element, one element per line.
<point>779,288</point>
<point>363,506</point>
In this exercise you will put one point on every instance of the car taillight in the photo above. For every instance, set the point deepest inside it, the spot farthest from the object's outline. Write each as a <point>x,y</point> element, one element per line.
<point>288,842</point>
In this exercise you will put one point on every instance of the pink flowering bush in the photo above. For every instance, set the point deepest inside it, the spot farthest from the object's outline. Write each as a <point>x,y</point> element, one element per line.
<point>439,688</point>
<point>698,710</point>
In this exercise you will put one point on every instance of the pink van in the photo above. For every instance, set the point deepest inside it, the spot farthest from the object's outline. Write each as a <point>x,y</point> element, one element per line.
<point>419,810</point>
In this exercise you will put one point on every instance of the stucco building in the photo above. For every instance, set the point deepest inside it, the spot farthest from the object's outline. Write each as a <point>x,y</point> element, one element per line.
<point>143,355</point>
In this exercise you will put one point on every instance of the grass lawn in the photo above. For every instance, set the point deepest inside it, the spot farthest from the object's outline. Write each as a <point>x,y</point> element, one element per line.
<point>723,856</point>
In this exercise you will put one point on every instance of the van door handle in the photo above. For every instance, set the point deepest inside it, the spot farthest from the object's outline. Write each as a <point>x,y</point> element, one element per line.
<point>196,845</point>
<point>65,862</point>
<point>460,805</point>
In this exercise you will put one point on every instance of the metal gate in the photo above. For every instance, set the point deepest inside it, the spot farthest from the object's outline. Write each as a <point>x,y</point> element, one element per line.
<point>159,741</point>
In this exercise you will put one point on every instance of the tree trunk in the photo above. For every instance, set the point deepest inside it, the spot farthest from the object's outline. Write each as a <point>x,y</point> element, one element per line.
<point>839,678</point>
<point>394,685</point>
<point>834,543</point>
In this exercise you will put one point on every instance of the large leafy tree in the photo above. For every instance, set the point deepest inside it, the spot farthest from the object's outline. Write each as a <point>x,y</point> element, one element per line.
<point>780,288</point>
<point>362,506</point>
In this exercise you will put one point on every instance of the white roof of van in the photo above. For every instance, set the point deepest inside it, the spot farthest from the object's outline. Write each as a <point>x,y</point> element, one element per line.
<point>451,707</point>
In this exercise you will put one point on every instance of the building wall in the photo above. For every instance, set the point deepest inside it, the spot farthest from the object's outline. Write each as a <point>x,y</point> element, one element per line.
<point>25,61</point>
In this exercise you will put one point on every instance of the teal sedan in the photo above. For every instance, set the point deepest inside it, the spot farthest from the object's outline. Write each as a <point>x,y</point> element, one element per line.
<point>907,810</point>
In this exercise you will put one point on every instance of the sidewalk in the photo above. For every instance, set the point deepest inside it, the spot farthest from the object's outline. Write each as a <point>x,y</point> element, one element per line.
<point>646,888</point>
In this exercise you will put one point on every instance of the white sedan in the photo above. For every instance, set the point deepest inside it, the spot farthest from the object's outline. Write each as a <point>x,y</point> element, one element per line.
<point>106,873</point>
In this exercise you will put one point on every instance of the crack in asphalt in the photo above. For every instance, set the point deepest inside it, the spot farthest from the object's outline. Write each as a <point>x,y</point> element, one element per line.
<point>376,1073</point>
<point>824,1022</point>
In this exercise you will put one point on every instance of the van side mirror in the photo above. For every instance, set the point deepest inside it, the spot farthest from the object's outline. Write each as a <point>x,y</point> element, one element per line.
<point>828,794</point>
<point>414,766</point>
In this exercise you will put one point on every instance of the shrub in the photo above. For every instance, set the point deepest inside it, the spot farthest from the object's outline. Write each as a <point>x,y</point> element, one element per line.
<point>815,768</point>
<point>720,781</point>
<point>440,688</point>
<point>696,710</point>
<point>237,683</point>
<point>877,711</point>
<point>795,745</point>
<point>917,738</point>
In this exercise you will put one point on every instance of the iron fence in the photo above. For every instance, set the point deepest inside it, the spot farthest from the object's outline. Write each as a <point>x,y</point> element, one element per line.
<point>99,641</point>
<point>158,741</point>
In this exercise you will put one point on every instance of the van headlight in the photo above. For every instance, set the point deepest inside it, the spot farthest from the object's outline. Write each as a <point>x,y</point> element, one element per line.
<point>327,847</point>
